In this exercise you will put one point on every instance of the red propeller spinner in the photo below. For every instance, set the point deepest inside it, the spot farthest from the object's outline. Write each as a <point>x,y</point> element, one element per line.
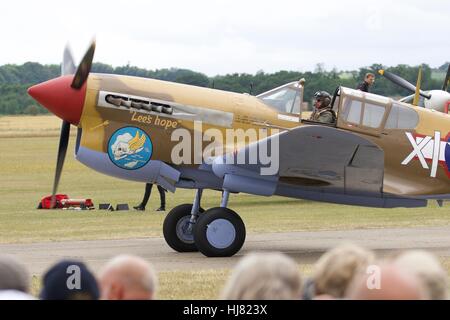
<point>60,98</point>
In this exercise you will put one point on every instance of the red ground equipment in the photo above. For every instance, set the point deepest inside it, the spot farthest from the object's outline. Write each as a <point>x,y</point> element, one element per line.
<point>46,202</point>
<point>63,202</point>
<point>77,203</point>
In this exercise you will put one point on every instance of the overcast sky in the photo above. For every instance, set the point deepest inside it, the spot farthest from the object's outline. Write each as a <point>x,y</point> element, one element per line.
<point>218,37</point>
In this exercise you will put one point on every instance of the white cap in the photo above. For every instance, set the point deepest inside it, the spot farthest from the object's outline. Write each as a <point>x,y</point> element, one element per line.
<point>15,295</point>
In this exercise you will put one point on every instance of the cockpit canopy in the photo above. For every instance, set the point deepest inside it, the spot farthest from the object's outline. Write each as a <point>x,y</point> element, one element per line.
<point>286,98</point>
<point>364,111</point>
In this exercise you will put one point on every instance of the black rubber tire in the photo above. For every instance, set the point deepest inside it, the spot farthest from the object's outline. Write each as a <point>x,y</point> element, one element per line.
<point>169,228</point>
<point>201,227</point>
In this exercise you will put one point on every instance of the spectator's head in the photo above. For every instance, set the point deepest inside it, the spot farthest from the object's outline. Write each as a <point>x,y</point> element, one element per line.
<point>389,282</point>
<point>128,278</point>
<point>264,276</point>
<point>428,269</point>
<point>369,78</point>
<point>69,280</point>
<point>335,270</point>
<point>13,275</point>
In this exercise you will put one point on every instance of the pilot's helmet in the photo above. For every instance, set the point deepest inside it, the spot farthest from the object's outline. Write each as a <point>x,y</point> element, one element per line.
<point>324,97</point>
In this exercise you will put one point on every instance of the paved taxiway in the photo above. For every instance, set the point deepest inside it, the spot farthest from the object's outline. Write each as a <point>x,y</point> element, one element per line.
<point>304,247</point>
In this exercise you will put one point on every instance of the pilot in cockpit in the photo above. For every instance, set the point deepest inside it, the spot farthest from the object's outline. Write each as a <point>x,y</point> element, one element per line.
<point>322,108</point>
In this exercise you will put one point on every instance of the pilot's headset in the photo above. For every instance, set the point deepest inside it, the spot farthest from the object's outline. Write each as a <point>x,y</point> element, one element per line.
<point>324,97</point>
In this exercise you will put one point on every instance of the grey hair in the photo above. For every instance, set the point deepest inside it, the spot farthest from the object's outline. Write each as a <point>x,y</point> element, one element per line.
<point>13,274</point>
<point>428,269</point>
<point>264,276</point>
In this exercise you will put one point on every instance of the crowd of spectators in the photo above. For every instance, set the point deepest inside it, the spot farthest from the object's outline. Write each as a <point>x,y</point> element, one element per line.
<point>344,272</point>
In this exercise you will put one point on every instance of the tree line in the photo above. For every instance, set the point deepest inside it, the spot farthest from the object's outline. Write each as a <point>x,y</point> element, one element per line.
<point>15,79</point>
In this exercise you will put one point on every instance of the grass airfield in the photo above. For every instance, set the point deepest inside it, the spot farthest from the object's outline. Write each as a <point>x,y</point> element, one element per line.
<point>28,147</point>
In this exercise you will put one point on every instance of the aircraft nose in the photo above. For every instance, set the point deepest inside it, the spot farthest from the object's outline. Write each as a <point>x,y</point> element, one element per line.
<point>60,98</point>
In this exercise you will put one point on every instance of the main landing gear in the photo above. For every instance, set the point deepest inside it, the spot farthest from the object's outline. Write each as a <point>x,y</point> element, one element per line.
<point>216,232</point>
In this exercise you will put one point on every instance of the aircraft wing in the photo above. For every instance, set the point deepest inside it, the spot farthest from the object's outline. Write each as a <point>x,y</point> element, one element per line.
<point>313,162</point>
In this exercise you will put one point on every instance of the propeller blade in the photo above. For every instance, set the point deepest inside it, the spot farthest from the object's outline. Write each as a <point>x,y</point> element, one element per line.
<point>84,68</point>
<point>417,93</point>
<point>402,82</point>
<point>67,66</point>
<point>447,79</point>
<point>63,142</point>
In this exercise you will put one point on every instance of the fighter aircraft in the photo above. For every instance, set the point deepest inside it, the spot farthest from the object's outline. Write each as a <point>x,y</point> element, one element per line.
<point>379,153</point>
<point>433,99</point>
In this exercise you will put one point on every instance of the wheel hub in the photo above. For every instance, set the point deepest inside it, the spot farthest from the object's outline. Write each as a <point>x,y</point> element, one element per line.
<point>221,233</point>
<point>184,230</point>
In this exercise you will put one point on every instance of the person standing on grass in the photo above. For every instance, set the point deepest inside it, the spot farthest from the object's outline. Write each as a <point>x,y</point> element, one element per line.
<point>148,191</point>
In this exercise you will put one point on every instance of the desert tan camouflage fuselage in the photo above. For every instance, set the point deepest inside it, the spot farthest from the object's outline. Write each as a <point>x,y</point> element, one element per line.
<point>225,110</point>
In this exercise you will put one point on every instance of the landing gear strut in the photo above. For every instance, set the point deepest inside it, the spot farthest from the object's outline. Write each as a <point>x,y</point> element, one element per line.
<point>217,232</point>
